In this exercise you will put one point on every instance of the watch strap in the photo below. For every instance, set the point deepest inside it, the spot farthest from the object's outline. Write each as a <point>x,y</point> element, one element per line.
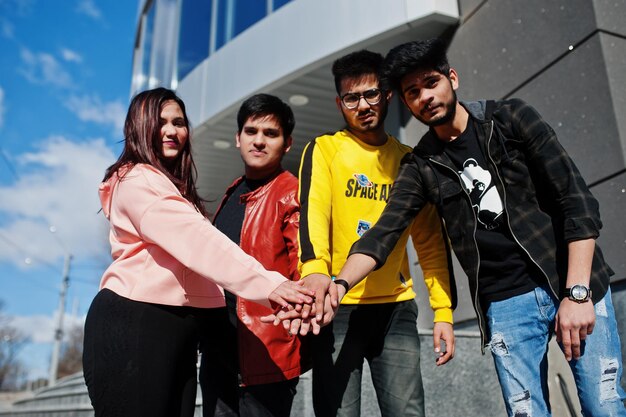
<point>343,283</point>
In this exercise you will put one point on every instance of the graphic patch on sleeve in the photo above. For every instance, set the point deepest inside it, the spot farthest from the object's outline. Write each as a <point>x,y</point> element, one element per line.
<point>363,227</point>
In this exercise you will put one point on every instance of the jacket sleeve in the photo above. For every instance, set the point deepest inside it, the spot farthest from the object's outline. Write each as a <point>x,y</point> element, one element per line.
<point>433,253</point>
<point>315,199</point>
<point>554,167</point>
<point>405,201</point>
<point>291,224</point>
<point>164,218</point>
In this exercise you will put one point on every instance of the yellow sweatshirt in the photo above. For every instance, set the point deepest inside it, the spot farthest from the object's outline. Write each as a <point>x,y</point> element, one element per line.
<point>344,187</point>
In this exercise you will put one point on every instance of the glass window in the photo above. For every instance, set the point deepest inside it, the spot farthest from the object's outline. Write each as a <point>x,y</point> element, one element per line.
<point>247,13</point>
<point>195,31</point>
<point>164,44</point>
<point>146,47</point>
<point>277,4</point>
<point>235,16</point>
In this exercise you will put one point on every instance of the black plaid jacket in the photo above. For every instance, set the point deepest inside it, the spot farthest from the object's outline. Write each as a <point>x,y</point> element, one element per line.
<point>545,198</point>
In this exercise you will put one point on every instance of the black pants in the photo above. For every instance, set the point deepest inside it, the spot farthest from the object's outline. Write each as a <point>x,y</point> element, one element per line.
<point>263,400</point>
<point>139,358</point>
<point>221,394</point>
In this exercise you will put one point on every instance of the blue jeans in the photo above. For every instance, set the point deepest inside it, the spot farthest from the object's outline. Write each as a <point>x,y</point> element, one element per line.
<point>385,335</point>
<point>519,331</point>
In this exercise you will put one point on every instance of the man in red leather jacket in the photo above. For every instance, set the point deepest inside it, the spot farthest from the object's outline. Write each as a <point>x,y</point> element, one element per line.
<point>253,367</point>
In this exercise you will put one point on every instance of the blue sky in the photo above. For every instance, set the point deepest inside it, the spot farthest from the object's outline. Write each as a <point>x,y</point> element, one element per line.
<point>65,72</point>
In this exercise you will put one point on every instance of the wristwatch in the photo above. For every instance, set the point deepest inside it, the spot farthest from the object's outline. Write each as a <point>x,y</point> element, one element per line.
<point>578,293</point>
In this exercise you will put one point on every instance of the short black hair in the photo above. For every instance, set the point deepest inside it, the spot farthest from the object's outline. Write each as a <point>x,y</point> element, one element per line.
<point>260,105</point>
<point>356,64</point>
<point>408,57</point>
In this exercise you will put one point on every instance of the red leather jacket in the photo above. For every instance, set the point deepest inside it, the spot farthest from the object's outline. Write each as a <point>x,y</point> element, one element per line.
<point>269,233</point>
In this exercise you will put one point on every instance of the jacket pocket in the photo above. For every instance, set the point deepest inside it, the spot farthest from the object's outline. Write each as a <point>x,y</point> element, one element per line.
<point>449,189</point>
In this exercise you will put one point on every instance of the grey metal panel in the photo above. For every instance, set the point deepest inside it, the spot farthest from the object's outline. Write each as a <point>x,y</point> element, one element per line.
<point>468,7</point>
<point>574,97</point>
<point>611,15</point>
<point>466,386</point>
<point>619,304</point>
<point>507,42</point>
<point>614,50</point>
<point>612,197</point>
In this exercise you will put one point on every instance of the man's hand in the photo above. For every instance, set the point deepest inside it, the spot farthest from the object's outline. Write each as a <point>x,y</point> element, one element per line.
<point>320,284</point>
<point>312,324</point>
<point>574,321</point>
<point>443,331</point>
<point>284,315</point>
<point>341,292</point>
<point>293,319</point>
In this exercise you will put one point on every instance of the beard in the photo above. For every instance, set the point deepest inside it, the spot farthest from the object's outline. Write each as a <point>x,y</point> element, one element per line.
<point>450,112</point>
<point>382,114</point>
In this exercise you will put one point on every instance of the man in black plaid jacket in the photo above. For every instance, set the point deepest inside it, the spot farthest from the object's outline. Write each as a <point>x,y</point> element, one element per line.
<point>522,223</point>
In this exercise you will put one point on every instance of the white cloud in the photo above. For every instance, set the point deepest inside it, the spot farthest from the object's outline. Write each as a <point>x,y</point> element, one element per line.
<point>2,108</point>
<point>7,29</point>
<point>43,68</point>
<point>93,109</point>
<point>89,8</point>
<point>71,56</point>
<point>40,328</point>
<point>58,187</point>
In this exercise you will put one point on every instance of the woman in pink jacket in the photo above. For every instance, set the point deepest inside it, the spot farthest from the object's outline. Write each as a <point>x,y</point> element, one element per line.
<point>160,295</point>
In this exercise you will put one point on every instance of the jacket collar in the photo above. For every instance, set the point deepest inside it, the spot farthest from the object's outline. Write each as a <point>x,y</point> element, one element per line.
<point>254,194</point>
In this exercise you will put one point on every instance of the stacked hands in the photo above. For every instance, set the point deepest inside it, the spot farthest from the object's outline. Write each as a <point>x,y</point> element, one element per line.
<point>311,303</point>
<point>305,305</point>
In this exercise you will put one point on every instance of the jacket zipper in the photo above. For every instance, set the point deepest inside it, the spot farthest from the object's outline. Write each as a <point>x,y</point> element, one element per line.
<point>476,303</point>
<point>507,215</point>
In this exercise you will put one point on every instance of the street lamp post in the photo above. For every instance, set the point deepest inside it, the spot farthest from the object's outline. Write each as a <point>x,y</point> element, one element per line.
<point>58,332</point>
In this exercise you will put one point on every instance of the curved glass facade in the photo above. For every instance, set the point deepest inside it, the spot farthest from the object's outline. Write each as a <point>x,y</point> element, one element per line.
<point>235,16</point>
<point>189,31</point>
<point>143,51</point>
<point>194,37</point>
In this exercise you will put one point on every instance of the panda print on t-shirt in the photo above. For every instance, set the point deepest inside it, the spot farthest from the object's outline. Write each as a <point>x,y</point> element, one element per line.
<point>483,193</point>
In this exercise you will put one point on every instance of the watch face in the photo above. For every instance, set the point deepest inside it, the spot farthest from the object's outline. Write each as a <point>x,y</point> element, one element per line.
<point>579,292</point>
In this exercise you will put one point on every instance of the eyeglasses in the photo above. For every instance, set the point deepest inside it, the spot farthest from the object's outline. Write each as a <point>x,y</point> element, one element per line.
<point>372,96</point>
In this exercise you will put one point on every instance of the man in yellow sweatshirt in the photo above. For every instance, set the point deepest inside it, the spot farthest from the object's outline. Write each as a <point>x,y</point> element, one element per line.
<point>345,180</point>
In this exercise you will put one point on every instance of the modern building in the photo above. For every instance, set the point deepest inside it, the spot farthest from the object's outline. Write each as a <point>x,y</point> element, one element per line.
<point>567,58</point>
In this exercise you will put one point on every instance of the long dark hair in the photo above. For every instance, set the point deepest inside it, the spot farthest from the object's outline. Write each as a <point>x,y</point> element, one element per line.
<point>143,144</point>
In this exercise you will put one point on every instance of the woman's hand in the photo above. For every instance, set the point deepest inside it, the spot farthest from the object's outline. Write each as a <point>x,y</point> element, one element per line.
<point>291,295</point>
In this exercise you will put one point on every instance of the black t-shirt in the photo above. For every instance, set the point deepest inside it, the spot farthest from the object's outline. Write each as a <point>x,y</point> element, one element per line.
<point>505,270</point>
<point>230,221</point>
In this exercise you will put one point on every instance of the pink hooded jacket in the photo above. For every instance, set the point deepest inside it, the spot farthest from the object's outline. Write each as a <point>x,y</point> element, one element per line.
<point>165,252</point>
